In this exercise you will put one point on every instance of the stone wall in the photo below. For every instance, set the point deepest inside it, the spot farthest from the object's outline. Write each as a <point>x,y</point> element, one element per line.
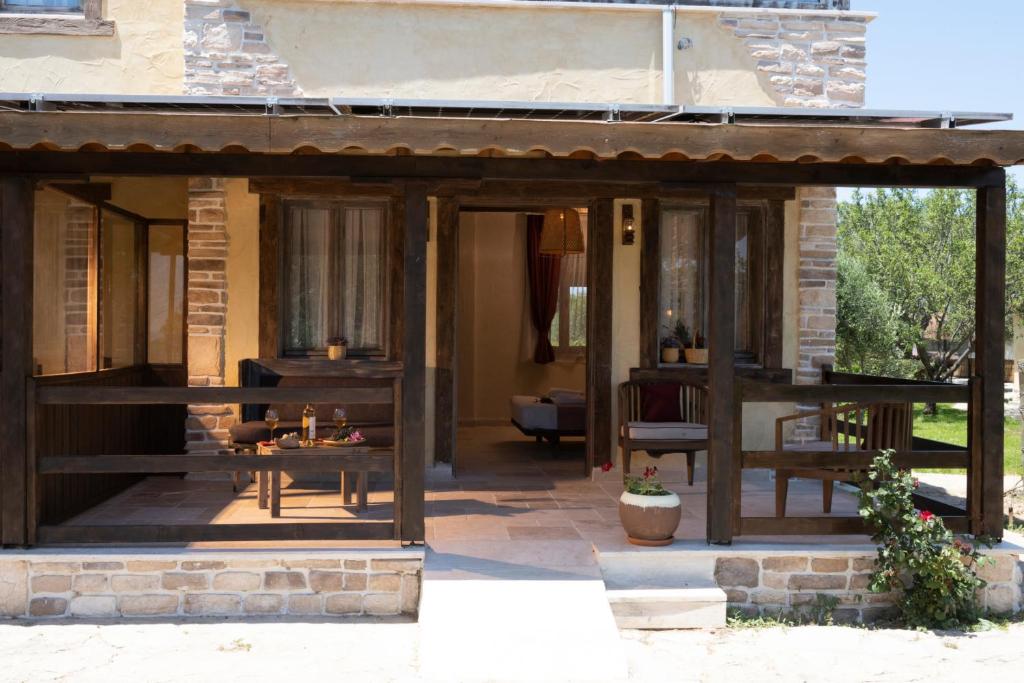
<point>41,586</point>
<point>226,53</point>
<point>778,583</point>
<point>206,428</point>
<point>809,60</point>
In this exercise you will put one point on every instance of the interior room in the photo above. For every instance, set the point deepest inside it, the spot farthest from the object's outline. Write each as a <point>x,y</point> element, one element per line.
<point>521,339</point>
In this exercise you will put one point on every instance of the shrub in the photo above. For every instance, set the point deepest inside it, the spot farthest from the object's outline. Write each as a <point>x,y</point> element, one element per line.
<point>933,570</point>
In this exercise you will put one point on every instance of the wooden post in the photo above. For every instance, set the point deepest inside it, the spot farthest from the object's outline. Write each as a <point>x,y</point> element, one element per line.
<point>600,245</point>
<point>270,263</point>
<point>650,283</point>
<point>414,338</point>
<point>989,348</point>
<point>721,369</point>
<point>17,199</point>
<point>447,317</point>
<point>774,264</point>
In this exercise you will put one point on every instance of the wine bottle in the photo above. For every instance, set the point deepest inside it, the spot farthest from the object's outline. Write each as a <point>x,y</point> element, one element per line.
<point>308,424</point>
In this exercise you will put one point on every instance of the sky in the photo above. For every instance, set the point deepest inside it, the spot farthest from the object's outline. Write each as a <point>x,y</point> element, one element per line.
<point>947,55</point>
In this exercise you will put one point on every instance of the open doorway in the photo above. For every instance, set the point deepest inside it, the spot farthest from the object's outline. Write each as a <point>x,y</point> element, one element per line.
<point>521,366</point>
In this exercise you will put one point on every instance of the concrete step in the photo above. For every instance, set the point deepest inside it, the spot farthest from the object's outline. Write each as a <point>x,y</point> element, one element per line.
<point>517,611</point>
<point>662,588</point>
<point>668,608</point>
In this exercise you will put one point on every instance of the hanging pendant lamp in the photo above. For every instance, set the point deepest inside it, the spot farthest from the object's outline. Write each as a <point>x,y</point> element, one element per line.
<point>562,233</point>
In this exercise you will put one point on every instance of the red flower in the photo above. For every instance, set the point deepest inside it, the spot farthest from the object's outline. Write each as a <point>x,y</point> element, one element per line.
<point>607,467</point>
<point>925,515</point>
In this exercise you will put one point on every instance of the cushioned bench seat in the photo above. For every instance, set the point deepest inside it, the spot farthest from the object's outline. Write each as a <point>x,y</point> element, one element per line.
<point>671,431</point>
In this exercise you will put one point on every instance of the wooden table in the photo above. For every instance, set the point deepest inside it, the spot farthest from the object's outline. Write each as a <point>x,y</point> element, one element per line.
<point>354,479</point>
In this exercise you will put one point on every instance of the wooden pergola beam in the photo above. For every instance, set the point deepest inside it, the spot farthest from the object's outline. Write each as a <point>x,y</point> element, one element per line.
<point>438,168</point>
<point>17,197</point>
<point>165,132</point>
<point>723,461</point>
<point>990,307</point>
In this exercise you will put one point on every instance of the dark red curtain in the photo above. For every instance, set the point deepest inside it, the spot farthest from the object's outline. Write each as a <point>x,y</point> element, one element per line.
<point>543,272</point>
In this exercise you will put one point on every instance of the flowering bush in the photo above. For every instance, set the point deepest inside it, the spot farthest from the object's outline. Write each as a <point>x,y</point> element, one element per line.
<point>934,571</point>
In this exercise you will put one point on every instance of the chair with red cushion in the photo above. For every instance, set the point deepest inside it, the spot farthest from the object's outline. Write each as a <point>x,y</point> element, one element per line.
<point>662,418</point>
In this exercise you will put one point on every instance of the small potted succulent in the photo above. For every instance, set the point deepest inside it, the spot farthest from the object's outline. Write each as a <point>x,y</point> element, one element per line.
<point>337,348</point>
<point>670,350</point>
<point>648,511</point>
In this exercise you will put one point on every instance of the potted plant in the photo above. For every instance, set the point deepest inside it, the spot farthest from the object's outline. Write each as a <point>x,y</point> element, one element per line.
<point>670,350</point>
<point>696,352</point>
<point>648,511</point>
<point>337,348</point>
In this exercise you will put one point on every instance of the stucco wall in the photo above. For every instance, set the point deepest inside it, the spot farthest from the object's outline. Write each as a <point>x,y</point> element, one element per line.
<point>144,56</point>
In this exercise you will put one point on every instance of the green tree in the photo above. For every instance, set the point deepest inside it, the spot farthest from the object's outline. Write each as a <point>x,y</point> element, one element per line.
<point>917,248</point>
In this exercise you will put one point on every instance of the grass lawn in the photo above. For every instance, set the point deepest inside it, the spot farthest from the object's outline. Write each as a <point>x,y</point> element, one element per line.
<point>950,425</point>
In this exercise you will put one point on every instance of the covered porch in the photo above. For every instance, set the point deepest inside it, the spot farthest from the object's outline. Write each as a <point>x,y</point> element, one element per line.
<point>426,165</point>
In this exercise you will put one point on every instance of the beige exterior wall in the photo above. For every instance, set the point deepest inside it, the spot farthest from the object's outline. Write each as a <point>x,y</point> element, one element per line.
<point>144,56</point>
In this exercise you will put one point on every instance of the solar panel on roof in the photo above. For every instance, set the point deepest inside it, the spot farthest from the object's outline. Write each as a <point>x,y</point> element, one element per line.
<point>491,109</point>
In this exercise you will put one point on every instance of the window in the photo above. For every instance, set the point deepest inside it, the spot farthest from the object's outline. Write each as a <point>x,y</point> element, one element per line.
<point>167,294</point>
<point>569,326</point>
<point>684,273</point>
<point>91,293</point>
<point>333,276</point>
<point>52,6</point>
<point>119,290</point>
<point>64,284</point>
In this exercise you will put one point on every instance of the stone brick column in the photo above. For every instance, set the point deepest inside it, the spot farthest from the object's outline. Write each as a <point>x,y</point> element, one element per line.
<point>206,428</point>
<point>817,283</point>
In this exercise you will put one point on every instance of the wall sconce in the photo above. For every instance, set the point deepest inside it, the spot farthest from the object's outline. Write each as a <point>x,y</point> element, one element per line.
<point>628,225</point>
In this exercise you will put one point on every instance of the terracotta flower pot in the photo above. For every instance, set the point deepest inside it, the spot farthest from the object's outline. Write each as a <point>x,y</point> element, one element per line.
<point>337,352</point>
<point>669,355</point>
<point>649,520</point>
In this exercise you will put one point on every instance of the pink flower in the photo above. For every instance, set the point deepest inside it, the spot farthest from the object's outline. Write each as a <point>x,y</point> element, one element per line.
<point>925,515</point>
<point>607,467</point>
<point>917,483</point>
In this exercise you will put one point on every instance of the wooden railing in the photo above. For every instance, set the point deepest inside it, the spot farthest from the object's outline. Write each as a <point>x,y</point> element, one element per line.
<point>360,459</point>
<point>879,393</point>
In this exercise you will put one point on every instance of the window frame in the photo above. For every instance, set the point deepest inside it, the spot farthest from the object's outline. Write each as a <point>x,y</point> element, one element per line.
<point>142,225</point>
<point>759,289</point>
<point>339,203</point>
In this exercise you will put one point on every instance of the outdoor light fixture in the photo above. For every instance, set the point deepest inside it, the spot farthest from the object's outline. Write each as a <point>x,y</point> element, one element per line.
<point>562,233</point>
<point>628,225</point>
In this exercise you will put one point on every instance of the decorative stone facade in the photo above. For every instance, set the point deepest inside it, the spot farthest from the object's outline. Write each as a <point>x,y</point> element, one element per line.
<point>206,427</point>
<point>795,583</point>
<point>226,53</point>
<point>817,293</point>
<point>40,586</point>
<point>813,60</point>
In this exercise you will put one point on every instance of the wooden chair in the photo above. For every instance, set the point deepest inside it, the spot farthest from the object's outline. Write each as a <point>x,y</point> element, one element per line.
<point>844,429</point>
<point>686,437</point>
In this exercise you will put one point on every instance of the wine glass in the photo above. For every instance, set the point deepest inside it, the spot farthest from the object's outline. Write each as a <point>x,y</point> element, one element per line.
<point>271,418</point>
<point>340,418</point>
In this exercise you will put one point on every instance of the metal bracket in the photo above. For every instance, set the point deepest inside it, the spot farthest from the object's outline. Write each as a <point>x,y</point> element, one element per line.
<point>387,108</point>
<point>273,107</point>
<point>728,115</point>
<point>614,114</point>
<point>37,102</point>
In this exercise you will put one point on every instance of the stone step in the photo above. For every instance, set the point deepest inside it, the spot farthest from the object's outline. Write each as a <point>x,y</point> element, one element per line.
<point>662,588</point>
<point>668,608</point>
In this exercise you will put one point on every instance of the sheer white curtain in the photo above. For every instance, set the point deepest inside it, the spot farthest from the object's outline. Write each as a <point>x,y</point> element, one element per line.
<point>333,277</point>
<point>682,269</point>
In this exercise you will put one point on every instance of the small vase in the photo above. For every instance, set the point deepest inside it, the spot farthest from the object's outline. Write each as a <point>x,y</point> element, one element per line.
<point>650,520</point>
<point>669,355</point>
<point>337,352</point>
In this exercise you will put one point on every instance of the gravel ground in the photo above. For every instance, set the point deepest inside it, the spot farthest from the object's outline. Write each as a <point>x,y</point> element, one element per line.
<point>388,651</point>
